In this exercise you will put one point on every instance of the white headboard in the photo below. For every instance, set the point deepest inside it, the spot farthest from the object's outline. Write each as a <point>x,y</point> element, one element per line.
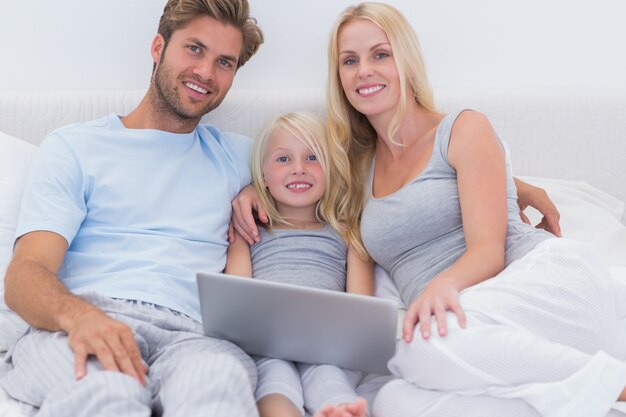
<point>570,135</point>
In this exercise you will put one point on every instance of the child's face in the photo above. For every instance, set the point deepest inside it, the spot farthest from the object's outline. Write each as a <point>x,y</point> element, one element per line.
<point>292,173</point>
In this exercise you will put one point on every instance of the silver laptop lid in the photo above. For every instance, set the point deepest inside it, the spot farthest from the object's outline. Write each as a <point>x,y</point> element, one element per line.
<point>297,323</point>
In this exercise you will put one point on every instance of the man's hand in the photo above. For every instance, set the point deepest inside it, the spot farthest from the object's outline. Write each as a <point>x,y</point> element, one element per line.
<point>110,341</point>
<point>529,195</point>
<point>243,221</point>
<point>33,290</point>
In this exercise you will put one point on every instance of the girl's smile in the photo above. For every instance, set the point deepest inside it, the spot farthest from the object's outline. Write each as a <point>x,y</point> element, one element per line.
<point>293,175</point>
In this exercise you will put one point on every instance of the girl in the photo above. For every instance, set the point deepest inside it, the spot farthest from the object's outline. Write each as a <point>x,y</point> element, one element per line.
<point>436,201</point>
<point>303,244</point>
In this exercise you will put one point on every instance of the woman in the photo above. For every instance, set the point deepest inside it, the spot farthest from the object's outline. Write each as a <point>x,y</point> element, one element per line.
<point>439,213</point>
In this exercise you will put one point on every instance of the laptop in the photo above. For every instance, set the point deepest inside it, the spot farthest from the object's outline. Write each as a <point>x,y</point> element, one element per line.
<point>299,324</point>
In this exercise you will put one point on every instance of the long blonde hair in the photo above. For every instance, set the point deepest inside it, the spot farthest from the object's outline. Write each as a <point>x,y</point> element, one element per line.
<point>350,131</point>
<point>311,131</point>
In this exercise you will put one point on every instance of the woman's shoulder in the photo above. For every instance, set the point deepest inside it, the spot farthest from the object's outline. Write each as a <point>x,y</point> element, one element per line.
<point>471,133</point>
<point>471,119</point>
<point>471,123</point>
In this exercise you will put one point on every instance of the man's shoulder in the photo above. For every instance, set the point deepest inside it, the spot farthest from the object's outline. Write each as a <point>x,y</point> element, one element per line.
<point>79,129</point>
<point>216,133</point>
<point>242,144</point>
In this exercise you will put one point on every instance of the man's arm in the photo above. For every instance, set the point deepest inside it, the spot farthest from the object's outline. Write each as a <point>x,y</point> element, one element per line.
<point>244,204</point>
<point>33,290</point>
<point>529,195</point>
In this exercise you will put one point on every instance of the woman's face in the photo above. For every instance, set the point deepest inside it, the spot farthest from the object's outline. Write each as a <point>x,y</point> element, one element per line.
<point>367,69</point>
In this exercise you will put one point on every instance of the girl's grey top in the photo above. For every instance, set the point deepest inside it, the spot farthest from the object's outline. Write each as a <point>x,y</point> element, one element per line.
<point>417,232</point>
<point>311,258</point>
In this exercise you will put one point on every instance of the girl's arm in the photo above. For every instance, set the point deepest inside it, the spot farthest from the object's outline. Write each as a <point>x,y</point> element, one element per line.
<point>359,274</point>
<point>477,155</point>
<point>238,261</point>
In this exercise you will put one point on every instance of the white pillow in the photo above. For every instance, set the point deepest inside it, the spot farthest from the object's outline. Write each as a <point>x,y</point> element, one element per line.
<point>15,158</point>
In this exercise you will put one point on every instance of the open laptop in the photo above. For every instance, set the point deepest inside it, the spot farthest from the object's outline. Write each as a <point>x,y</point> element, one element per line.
<point>298,323</point>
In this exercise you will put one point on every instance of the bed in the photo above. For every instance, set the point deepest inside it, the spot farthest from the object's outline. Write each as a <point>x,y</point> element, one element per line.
<point>573,144</point>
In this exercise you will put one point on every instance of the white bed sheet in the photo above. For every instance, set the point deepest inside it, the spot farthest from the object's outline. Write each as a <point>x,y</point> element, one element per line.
<point>587,214</point>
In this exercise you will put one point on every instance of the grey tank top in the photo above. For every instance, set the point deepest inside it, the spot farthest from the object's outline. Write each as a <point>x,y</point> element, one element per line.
<point>416,232</point>
<point>311,258</point>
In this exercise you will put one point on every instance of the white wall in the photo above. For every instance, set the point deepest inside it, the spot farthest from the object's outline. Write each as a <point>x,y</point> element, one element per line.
<point>104,44</point>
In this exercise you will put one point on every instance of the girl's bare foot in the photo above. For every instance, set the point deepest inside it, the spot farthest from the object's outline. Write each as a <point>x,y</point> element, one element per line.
<point>355,409</point>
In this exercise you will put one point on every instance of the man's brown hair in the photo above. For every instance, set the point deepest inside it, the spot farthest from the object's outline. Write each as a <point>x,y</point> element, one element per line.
<point>178,13</point>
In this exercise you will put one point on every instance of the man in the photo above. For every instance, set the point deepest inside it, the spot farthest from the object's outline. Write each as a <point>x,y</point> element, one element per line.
<point>117,217</point>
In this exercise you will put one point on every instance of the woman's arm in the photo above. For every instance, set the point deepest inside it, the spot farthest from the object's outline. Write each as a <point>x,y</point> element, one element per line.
<point>359,274</point>
<point>478,158</point>
<point>238,260</point>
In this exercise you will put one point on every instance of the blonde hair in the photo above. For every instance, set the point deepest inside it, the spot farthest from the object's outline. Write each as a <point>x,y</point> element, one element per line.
<point>178,13</point>
<point>350,130</point>
<point>311,131</point>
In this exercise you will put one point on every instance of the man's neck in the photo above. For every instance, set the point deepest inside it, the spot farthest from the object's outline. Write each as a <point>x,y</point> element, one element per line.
<point>148,116</point>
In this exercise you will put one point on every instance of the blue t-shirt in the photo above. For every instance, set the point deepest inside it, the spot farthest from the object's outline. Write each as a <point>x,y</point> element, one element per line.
<point>142,210</point>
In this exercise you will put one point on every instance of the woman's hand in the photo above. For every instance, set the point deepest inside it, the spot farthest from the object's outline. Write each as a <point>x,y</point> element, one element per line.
<point>440,296</point>
<point>529,195</point>
<point>243,220</point>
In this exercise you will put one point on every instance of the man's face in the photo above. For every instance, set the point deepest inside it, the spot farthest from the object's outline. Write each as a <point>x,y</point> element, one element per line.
<point>196,69</point>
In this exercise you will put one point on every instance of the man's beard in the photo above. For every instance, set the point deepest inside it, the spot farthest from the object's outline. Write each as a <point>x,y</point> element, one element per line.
<point>167,102</point>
